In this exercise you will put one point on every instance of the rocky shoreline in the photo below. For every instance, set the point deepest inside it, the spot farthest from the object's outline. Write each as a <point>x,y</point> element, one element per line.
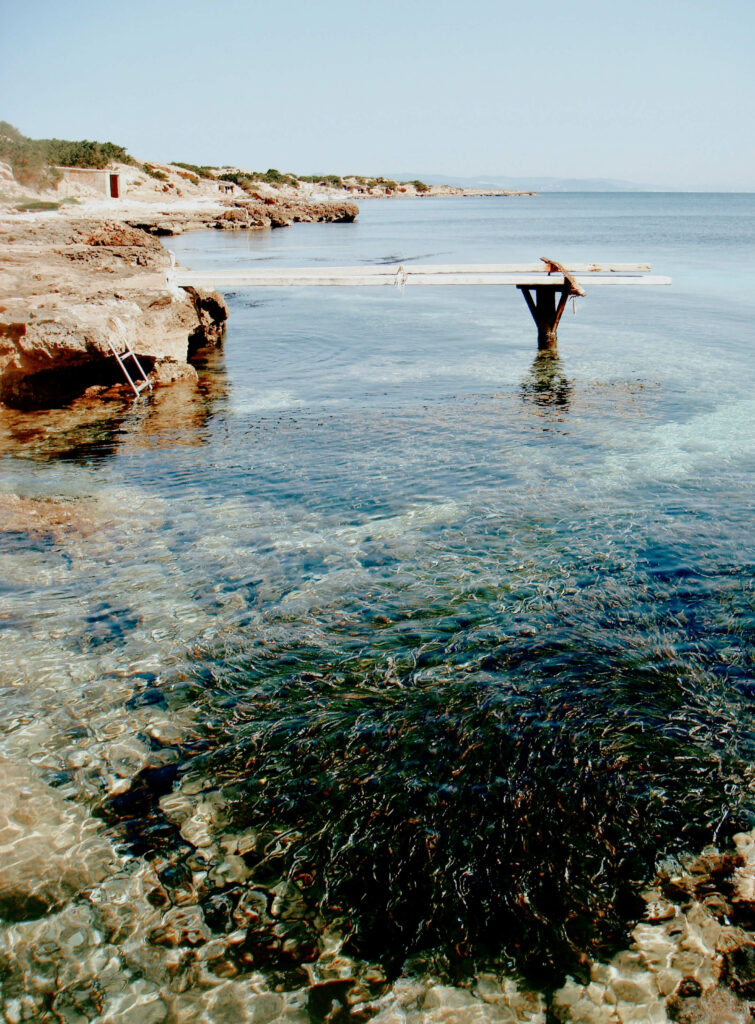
<point>245,215</point>
<point>70,284</point>
<point>78,270</point>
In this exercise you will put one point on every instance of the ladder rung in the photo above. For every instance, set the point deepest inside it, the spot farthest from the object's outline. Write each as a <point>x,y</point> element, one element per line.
<point>121,357</point>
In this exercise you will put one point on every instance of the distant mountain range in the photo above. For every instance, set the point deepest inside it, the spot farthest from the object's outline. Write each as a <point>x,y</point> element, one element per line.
<point>519,184</point>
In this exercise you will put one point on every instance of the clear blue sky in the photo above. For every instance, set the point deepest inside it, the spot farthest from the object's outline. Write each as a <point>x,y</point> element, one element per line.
<point>656,91</point>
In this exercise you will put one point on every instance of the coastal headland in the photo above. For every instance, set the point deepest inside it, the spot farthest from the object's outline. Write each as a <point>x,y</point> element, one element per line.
<point>80,268</point>
<point>91,270</point>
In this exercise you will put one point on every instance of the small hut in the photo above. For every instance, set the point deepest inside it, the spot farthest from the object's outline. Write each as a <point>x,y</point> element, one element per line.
<point>105,181</point>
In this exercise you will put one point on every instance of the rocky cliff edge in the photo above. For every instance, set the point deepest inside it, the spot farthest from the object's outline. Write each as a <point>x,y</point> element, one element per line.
<point>69,288</point>
<point>73,281</point>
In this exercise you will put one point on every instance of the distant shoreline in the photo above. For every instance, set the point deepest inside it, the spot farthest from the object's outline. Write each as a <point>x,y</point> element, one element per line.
<point>453,192</point>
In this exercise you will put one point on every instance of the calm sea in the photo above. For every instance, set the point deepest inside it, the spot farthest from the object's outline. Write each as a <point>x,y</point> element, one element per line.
<point>456,640</point>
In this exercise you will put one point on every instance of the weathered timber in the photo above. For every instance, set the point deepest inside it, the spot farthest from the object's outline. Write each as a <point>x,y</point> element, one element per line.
<point>409,276</point>
<point>546,312</point>
<point>546,285</point>
<point>556,268</point>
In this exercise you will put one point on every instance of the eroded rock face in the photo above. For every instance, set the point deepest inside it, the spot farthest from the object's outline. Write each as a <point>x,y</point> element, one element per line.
<point>70,289</point>
<point>113,234</point>
<point>211,312</point>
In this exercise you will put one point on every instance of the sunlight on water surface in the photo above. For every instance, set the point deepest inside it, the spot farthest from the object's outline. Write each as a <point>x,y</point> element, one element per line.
<point>387,646</point>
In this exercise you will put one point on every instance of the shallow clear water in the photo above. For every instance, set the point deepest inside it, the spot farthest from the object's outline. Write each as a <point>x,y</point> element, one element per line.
<point>471,628</point>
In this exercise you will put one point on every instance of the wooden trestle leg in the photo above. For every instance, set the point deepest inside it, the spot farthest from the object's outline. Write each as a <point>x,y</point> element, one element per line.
<point>546,311</point>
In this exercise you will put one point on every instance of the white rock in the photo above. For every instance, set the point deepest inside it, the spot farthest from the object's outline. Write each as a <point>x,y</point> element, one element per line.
<point>446,997</point>
<point>568,994</point>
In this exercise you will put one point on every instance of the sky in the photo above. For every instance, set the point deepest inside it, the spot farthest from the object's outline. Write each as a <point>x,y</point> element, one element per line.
<point>657,92</point>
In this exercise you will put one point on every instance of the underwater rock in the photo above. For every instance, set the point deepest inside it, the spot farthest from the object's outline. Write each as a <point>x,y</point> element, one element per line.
<point>419,816</point>
<point>716,1007</point>
<point>48,515</point>
<point>50,849</point>
<point>739,970</point>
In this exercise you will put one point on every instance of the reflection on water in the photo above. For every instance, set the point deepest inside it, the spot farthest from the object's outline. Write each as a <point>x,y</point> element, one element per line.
<point>545,385</point>
<point>98,426</point>
<point>379,658</point>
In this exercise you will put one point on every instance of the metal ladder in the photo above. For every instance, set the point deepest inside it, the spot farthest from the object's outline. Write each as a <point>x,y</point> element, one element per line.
<point>128,354</point>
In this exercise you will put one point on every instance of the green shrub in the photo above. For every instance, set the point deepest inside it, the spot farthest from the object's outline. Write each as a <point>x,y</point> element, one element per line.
<point>188,176</point>
<point>248,180</point>
<point>8,131</point>
<point>272,176</point>
<point>240,178</point>
<point>28,158</point>
<point>85,153</point>
<point>36,206</point>
<point>381,183</point>
<point>200,172</point>
<point>154,172</point>
<point>323,179</point>
<point>419,185</point>
<point>33,161</point>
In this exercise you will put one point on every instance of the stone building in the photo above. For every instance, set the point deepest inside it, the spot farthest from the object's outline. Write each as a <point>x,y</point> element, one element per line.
<point>105,181</point>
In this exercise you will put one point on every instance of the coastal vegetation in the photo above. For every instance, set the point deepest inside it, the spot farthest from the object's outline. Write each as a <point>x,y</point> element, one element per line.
<point>198,171</point>
<point>154,172</point>
<point>37,206</point>
<point>323,179</point>
<point>248,179</point>
<point>34,161</point>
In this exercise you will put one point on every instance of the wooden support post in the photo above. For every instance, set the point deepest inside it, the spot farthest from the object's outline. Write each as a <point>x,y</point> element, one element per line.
<point>546,312</point>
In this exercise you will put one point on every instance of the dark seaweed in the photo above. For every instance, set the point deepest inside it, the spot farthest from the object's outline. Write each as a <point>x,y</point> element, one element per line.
<point>503,799</point>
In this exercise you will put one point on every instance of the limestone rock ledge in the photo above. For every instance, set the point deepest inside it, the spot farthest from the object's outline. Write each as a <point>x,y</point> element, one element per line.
<point>246,214</point>
<point>70,287</point>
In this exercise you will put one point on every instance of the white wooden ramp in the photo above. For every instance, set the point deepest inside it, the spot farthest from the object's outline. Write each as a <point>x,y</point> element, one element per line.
<point>546,285</point>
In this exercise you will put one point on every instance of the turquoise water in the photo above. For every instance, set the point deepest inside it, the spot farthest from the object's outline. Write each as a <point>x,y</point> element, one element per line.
<point>469,629</point>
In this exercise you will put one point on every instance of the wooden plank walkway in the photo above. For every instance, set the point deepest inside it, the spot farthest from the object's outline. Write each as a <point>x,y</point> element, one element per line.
<point>518,275</point>
<point>546,285</point>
